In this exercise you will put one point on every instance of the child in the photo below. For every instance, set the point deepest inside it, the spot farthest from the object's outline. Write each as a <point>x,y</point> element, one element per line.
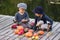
<point>22,17</point>
<point>41,17</point>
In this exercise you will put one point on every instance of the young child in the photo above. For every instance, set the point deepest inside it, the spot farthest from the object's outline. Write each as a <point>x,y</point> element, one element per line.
<point>41,17</point>
<point>22,17</point>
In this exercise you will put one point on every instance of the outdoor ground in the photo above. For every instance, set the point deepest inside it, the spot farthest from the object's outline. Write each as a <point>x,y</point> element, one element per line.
<point>6,33</point>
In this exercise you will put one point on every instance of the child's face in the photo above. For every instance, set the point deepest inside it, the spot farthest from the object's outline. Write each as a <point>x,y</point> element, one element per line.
<point>21,10</point>
<point>38,15</point>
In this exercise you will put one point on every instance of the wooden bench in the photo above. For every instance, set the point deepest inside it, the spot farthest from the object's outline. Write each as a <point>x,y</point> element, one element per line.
<point>6,33</point>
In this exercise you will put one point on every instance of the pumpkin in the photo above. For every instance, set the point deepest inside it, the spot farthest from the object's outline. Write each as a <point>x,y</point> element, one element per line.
<point>30,30</point>
<point>41,32</point>
<point>21,32</point>
<point>14,26</point>
<point>28,34</point>
<point>16,31</point>
<point>20,27</point>
<point>35,38</point>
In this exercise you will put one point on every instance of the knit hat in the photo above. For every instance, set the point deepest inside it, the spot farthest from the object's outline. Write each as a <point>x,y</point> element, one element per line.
<point>22,5</point>
<point>38,10</point>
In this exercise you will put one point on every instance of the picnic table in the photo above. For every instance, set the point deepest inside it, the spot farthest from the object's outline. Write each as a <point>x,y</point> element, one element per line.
<point>6,33</point>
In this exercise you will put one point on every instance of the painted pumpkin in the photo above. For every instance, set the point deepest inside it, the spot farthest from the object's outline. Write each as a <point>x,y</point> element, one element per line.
<point>41,32</point>
<point>35,38</point>
<point>14,26</point>
<point>20,27</point>
<point>16,31</point>
<point>21,32</point>
<point>28,34</point>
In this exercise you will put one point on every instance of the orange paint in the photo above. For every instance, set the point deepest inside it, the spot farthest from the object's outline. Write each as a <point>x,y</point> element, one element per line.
<point>41,32</point>
<point>28,34</point>
<point>20,27</point>
<point>16,31</point>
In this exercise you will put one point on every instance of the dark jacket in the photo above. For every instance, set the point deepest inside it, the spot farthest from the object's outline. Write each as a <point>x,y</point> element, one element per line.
<point>19,17</point>
<point>45,18</point>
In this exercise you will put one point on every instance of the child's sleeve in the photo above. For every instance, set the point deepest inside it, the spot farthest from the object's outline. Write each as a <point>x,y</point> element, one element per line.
<point>27,16</point>
<point>16,17</point>
<point>35,20</point>
<point>49,19</point>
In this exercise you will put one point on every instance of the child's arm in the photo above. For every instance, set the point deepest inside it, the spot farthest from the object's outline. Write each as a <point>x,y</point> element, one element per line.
<point>35,20</point>
<point>50,20</point>
<point>27,16</point>
<point>16,18</point>
<point>26,19</point>
<point>34,27</point>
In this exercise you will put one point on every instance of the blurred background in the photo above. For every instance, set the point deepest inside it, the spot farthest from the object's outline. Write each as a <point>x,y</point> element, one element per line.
<point>51,7</point>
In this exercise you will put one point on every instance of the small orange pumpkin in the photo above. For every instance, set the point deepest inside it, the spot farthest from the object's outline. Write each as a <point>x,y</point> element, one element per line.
<point>28,34</point>
<point>20,27</point>
<point>16,31</point>
<point>41,32</point>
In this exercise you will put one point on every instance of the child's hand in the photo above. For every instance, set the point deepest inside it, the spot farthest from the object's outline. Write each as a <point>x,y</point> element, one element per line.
<point>49,26</point>
<point>38,24</point>
<point>14,21</point>
<point>23,20</point>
